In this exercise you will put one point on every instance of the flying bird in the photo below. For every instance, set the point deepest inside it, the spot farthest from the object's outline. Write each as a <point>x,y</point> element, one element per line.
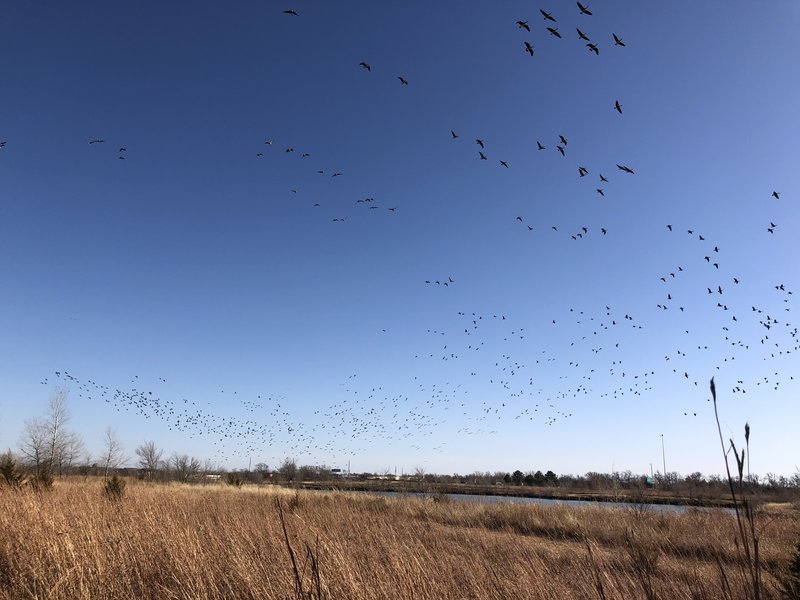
<point>291,12</point>
<point>584,10</point>
<point>547,16</point>
<point>454,134</point>
<point>561,149</point>
<point>563,139</point>
<point>593,48</point>
<point>96,142</point>
<point>617,41</point>
<point>528,48</point>
<point>483,156</point>
<point>617,106</point>
<point>582,171</point>
<point>365,66</point>
<point>625,169</point>
<point>554,31</point>
<point>776,195</point>
<point>539,144</point>
<point>582,36</point>
<point>523,25</point>
<point>480,143</point>
<point>504,163</point>
<point>403,80</point>
<point>599,191</point>
<point>603,178</point>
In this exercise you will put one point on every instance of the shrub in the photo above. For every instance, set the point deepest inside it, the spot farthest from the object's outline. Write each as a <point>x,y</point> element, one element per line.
<point>9,473</point>
<point>114,488</point>
<point>42,481</point>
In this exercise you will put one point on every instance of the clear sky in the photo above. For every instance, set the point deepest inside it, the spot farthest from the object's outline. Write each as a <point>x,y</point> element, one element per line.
<point>222,296</point>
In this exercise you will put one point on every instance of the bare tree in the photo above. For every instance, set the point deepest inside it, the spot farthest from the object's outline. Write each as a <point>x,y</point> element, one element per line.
<point>46,442</point>
<point>33,443</point>
<point>56,425</point>
<point>74,452</point>
<point>185,467</point>
<point>149,458</point>
<point>113,453</point>
<point>288,470</point>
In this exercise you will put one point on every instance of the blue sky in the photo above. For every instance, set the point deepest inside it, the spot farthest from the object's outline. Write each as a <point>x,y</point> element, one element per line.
<point>201,274</point>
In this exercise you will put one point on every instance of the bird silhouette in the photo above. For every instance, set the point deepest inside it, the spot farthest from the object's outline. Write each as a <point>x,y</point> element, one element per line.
<point>523,25</point>
<point>529,48</point>
<point>617,41</point>
<point>547,16</point>
<point>554,31</point>
<point>403,80</point>
<point>365,66</point>
<point>618,106</point>
<point>584,10</point>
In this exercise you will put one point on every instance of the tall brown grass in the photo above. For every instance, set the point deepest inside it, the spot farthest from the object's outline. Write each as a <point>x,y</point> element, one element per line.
<point>161,541</point>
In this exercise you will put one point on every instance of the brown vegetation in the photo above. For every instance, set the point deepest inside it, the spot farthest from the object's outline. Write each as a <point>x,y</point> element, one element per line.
<point>179,541</point>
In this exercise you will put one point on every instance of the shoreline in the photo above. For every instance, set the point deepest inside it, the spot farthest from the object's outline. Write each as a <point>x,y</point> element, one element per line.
<point>639,497</point>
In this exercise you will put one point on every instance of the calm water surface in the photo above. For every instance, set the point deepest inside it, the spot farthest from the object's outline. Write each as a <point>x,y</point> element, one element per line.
<point>473,498</point>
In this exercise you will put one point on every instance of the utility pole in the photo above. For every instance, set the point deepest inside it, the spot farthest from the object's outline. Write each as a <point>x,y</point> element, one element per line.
<point>663,457</point>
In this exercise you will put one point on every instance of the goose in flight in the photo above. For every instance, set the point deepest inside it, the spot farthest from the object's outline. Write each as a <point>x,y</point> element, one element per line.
<point>547,16</point>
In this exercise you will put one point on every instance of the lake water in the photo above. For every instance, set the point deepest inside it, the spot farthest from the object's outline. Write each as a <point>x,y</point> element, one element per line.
<point>473,498</point>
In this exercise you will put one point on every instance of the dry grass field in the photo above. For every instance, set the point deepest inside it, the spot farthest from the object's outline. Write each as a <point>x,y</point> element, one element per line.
<point>195,542</point>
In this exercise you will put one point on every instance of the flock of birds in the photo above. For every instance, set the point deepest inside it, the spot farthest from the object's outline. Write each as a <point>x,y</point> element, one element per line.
<point>490,369</point>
